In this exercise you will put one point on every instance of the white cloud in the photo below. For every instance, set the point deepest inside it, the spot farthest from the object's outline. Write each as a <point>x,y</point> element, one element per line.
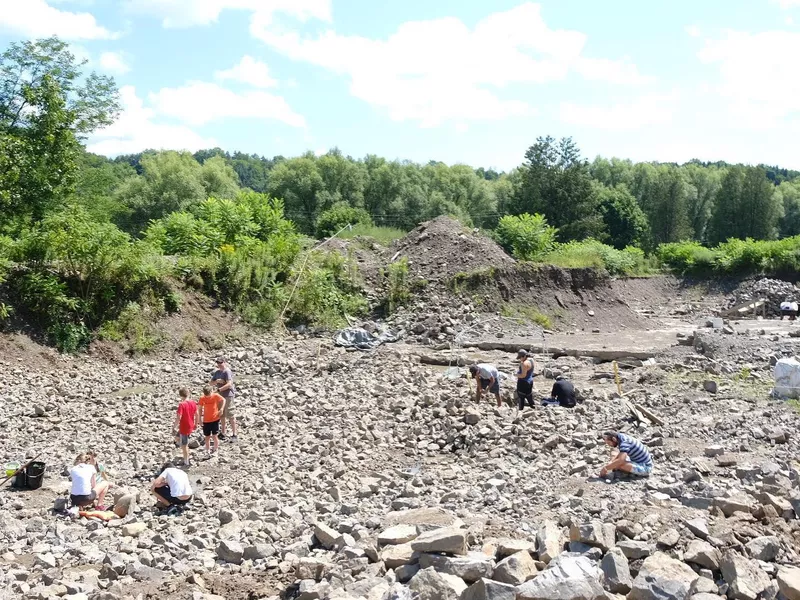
<point>197,103</point>
<point>786,4</point>
<point>137,130</point>
<point>757,88</point>
<point>441,70</point>
<point>652,109</point>
<point>192,13</point>
<point>36,19</point>
<point>692,31</point>
<point>113,62</point>
<point>250,71</point>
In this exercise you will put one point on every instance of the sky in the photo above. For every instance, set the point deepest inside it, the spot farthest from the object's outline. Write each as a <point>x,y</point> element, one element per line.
<point>461,81</point>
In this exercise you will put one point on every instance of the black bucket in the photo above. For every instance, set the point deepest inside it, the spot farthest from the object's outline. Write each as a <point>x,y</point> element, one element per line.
<point>34,475</point>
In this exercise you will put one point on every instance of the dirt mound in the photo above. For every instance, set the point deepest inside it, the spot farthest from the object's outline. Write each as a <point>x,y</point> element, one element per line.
<point>439,249</point>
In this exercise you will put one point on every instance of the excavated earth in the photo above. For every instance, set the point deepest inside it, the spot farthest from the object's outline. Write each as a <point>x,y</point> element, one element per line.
<point>375,475</point>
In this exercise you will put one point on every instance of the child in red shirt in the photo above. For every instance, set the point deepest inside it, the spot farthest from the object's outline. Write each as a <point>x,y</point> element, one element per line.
<point>185,423</point>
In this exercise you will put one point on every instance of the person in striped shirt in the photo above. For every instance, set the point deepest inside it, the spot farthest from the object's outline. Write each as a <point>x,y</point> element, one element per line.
<point>632,455</point>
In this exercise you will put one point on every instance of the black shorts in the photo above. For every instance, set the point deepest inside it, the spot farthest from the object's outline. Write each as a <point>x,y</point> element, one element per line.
<point>164,492</point>
<point>495,389</point>
<point>211,428</point>
<point>83,500</point>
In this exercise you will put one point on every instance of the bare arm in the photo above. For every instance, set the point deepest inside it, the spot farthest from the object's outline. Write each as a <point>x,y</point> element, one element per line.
<point>620,459</point>
<point>159,482</point>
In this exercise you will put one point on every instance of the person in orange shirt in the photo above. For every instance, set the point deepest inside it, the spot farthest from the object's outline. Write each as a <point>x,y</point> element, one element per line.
<point>211,407</point>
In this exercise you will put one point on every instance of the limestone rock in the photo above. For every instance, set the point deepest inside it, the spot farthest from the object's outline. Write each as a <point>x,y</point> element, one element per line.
<point>445,541</point>
<point>616,572</point>
<point>662,578</point>
<point>745,578</point>
<point>326,536</point>
<point>425,519</point>
<point>516,569</point>
<point>549,541</point>
<point>566,578</point>
<point>396,556</point>
<point>470,568</point>
<point>703,554</point>
<point>133,529</point>
<point>230,551</point>
<point>764,548</point>
<point>399,534</point>
<point>595,533</point>
<point>430,585</point>
<point>486,589</point>
<point>789,582</point>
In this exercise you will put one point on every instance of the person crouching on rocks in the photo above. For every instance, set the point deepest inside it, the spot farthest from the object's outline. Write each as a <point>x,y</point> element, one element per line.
<point>172,487</point>
<point>789,309</point>
<point>487,378</point>
<point>524,379</point>
<point>562,394</point>
<point>632,456</point>
<point>86,490</point>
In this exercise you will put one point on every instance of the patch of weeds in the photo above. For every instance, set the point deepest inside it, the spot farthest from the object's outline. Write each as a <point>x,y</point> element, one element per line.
<point>189,342</point>
<point>528,313</point>
<point>471,280</point>
<point>398,290</point>
<point>743,374</point>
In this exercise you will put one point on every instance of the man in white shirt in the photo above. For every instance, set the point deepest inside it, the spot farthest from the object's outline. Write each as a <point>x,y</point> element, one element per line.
<point>487,378</point>
<point>172,488</point>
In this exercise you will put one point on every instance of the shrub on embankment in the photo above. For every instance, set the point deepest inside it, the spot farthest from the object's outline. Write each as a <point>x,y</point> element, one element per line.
<point>734,257</point>
<point>73,278</point>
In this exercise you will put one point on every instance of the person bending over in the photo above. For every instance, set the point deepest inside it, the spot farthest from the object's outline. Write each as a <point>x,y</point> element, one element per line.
<point>562,394</point>
<point>171,488</point>
<point>487,378</point>
<point>632,455</point>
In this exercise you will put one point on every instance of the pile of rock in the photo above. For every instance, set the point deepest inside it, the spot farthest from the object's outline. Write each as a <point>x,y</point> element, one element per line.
<point>774,291</point>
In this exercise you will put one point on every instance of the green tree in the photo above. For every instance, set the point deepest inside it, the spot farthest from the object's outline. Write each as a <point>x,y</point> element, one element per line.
<point>705,182</point>
<point>557,184</point>
<point>219,179</point>
<point>613,172</point>
<point>625,221</point>
<point>96,183</point>
<point>339,215</point>
<point>746,206</point>
<point>46,106</point>
<point>298,183</point>
<point>664,196</point>
<point>789,195</point>
<point>527,237</point>
<point>170,181</point>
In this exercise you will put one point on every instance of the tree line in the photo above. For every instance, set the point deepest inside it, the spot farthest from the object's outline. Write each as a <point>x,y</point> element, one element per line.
<point>236,222</point>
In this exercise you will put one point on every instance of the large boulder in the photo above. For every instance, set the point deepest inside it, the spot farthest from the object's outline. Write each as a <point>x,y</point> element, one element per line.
<point>515,569</point>
<point>743,576</point>
<point>549,541</point>
<point>399,534</point>
<point>430,585</point>
<point>423,518</point>
<point>595,533</point>
<point>662,578</point>
<point>616,572</point>
<point>470,568</point>
<point>789,582</point>
<point>445,541</point>
<point>486,589</point>
<point>230,551</point>
<point>703,554</point>
<point>325,535</point>
<point>566,578</point>
<point>764,548</point>
<point>399,555</point>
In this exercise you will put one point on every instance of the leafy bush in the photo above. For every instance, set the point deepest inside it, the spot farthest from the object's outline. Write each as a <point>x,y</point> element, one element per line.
<point>527,237</point>
<point>339,215</point>
<point>734,257</point>
<point>594,254</point>
<point>398,290</point>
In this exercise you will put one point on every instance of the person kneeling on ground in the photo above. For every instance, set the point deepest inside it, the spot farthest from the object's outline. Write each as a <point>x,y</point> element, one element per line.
<point>171,488</point>
<point>562,394</point>
<point>487,378</point>
<point>524,379</point>
<point>632,455</point>
<point>86,490</point>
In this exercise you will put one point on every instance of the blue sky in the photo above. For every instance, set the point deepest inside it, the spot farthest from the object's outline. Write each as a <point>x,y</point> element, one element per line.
<point>460,81</point>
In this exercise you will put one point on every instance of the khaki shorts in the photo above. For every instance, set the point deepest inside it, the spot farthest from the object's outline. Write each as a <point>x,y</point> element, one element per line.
<point>228,412</point>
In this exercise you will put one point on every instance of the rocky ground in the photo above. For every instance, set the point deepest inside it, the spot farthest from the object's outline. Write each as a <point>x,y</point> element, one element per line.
<point>370,475</point>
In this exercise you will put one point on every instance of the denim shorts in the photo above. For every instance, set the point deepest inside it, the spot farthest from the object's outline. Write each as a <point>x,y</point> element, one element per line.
<point>641,469</point>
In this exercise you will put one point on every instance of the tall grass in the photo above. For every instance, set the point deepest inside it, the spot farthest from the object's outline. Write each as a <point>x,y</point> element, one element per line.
<point>593,254</point>
<point>382,235</point>
<point>734,257</point>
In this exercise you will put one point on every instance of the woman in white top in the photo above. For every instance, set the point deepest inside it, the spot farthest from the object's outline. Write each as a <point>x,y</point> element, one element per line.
<point>172,487</point>
<point>86,490</point>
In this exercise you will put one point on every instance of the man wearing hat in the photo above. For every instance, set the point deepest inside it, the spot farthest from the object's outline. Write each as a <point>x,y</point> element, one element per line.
<point>223,380</point>
<point>524,379</point>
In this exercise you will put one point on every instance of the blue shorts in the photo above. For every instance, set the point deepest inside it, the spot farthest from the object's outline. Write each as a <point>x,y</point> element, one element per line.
<point>495,389</point>
<point>641,469</point>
